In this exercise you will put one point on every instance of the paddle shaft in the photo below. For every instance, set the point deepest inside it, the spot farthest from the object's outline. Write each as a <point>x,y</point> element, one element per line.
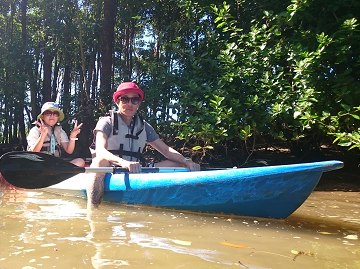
<point>115,170</point>
<point>34,170</point>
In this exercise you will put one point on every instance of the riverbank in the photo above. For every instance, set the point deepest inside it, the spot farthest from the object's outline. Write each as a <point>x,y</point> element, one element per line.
<point>345,179</point>
<point>339,180</point>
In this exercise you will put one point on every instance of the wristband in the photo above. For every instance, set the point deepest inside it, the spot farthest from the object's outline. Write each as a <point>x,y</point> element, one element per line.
<point>74,138</point>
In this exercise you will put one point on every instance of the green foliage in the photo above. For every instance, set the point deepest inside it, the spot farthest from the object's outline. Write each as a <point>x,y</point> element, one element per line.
<point>212,72</point>
<point>299,61</point>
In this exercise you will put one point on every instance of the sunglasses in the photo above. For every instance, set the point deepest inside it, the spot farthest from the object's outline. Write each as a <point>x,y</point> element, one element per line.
<point>49,113</point>
<point>126,100</point>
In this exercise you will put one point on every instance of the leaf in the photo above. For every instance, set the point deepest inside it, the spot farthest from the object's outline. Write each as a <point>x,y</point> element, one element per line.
<point>346,107</point>
<point>297,114</point>
<point>298,253</point>
<point>345,143</point>
<point>119,212</point>
<point>183,243</point>
<point>233,245</point>
<point>324,233</point>
<point>221,24</point>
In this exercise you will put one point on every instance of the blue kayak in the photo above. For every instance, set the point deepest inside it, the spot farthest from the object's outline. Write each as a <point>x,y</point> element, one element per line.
<point>267,192</point>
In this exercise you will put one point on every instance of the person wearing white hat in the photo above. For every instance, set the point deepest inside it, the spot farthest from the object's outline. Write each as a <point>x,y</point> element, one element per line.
<point>49,137</point>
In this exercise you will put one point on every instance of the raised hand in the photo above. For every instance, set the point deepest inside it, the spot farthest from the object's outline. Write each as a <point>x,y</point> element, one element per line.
<point>43,129</point>
<point>76,130</point>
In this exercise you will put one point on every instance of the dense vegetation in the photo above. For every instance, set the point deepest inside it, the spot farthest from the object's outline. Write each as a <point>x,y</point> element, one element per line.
<point>233,73</point>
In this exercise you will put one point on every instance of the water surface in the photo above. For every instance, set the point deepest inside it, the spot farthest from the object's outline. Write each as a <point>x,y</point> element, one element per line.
<point>43,230</point>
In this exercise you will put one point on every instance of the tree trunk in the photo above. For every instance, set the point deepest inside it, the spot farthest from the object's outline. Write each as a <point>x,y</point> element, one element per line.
<point>107,48</point>
<point>47,73</point>
<point>54,90</point>
<point>20,111</point>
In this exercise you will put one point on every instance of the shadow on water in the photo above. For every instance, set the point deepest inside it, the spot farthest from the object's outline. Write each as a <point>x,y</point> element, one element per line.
<point>129,233</point>
<point>340,180</point>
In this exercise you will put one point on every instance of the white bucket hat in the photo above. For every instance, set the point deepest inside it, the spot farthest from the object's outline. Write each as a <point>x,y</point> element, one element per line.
<point>51,106</point>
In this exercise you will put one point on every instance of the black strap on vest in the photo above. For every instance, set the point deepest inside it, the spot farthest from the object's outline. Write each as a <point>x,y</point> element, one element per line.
<point>114,119</point>
<point>137,155</point>
<point>121,151</point>
<point>136,136</point>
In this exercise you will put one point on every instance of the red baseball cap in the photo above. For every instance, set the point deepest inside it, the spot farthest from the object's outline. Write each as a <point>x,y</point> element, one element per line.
<point>127,87</point>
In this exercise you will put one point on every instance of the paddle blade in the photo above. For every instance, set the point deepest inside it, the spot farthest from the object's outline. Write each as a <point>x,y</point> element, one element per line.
<point>34,170</point>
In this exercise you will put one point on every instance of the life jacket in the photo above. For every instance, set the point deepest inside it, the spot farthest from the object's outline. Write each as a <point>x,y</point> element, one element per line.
<point>124,141</point>
<point>56,130</point>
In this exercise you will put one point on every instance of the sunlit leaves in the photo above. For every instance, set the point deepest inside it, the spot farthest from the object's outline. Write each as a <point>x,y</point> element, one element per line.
<point>351,140</point>
<point>306,80</point>
<point>202,148</point>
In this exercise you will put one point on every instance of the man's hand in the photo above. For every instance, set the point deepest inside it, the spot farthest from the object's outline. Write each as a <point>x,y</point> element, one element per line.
<point>133,167</point>
<point>192,166</point>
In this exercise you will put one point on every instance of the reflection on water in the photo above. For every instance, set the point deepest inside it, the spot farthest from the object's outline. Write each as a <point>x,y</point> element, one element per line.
<point>41,230</point>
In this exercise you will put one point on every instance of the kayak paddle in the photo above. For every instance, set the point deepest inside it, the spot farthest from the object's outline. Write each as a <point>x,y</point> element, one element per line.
<point>34,170</point>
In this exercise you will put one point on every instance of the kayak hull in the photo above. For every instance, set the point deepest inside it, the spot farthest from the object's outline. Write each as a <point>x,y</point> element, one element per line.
<point>267,192</point>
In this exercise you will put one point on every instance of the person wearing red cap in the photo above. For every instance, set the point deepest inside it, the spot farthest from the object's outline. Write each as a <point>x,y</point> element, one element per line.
<point>121,137</point>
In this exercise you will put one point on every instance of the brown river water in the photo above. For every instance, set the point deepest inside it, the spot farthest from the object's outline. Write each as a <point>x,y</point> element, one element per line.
<point>44,230</point>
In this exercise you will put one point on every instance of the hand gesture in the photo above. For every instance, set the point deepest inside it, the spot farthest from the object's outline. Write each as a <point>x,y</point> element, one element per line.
<point>76,130</point>
<point>43,129</point>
